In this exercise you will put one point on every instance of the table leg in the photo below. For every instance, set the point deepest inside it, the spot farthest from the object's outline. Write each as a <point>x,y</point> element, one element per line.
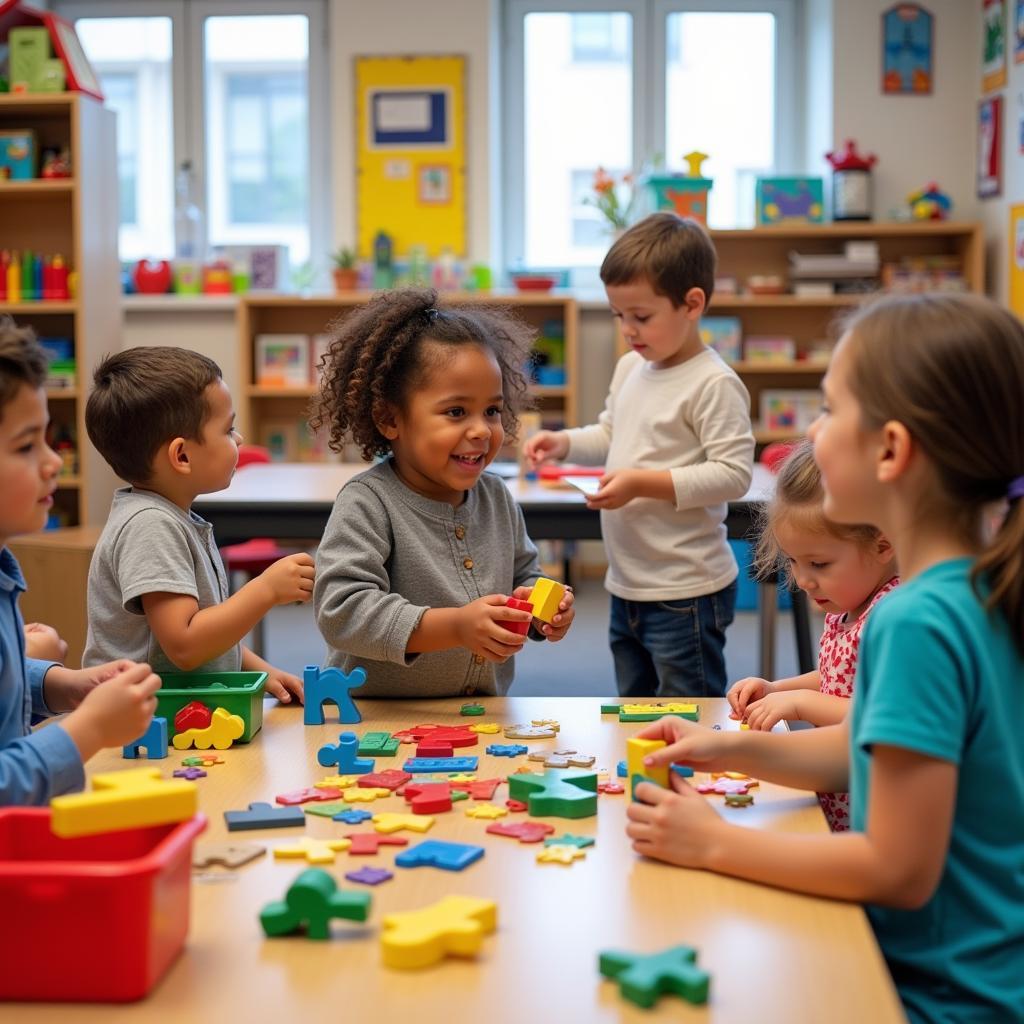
<point>802,627</point>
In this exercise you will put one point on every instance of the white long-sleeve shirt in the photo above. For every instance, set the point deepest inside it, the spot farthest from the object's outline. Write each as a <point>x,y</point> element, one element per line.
<point>693,420</point>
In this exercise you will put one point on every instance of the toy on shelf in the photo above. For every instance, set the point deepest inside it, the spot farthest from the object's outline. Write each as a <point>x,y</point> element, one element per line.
<point>454,926</point>
<point>851,183</point>
<point>685,194</point>
<point>313,900</point>
<point>331,686</point>
<point>644,979</point>
<point>930,203</point>
<point>789,200</point>
<point>56,163</point>
<point>33,277</point>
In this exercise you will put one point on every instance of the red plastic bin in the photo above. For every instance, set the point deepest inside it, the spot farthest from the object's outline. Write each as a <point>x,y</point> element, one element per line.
<point>93,918</point>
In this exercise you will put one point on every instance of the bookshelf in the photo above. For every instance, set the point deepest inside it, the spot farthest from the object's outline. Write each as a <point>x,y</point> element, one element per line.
<point>78,218</point>
<point>262,407</point>
<point>813,320</point>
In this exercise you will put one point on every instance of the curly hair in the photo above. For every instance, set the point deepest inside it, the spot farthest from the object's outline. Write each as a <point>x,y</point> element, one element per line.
<point>378,356</point>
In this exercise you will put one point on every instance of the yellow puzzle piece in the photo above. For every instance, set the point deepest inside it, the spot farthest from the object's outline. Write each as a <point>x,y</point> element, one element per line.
<point>489,811</point>
<point>488,728</point>
<point>336,782</point>
<point>559,854</point>
<point>315,851</point>
<point>223,730</point>
<point>545,598</point>
<point>392,822</point>
<point>454,926</point>
<point>666,709</point>
<point>129,799</point>
<point>364,794</point>
<point>636,751</point>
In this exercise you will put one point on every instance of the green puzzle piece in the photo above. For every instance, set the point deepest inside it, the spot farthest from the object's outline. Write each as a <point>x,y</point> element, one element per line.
<point>643,979</point>
<point>570,840</point>
<point>653,716</point>
<point>322,810</point>
<point>609,709</point>
<point>557,794</point>
<point>312,901</point>
<point>378,744</point>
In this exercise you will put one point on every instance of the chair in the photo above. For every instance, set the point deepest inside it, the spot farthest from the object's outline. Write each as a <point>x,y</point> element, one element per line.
<point>257,555</point>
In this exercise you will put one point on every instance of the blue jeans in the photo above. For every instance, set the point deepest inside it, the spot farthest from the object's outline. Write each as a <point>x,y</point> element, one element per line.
<point>671,648</point>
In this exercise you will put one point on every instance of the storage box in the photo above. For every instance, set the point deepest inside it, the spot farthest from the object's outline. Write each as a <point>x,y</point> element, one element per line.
<point>95,918</point>
<point>239,693</point>
<point>789,200</point>
<point>29,51</point>
<point>18,154</point>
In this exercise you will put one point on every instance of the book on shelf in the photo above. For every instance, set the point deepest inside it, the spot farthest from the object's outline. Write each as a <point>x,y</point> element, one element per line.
<point>724,334</point>
<point>282,360</point>
<point>790,409</point>
<point>763,348</point>
<point>915,274</point>
<point>318,346</point>
<point>292,440</point>
<point>814,289</point>
<point>858,259</point>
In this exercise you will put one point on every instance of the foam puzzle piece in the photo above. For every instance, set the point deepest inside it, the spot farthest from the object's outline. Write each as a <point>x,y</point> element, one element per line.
<point>529,732</point>
<point>311,903</point>
<point>478,789</point>
<point>560,854</point>
<point>328,810</point>
<point>524,831</point>
<point>207,760</point>
<point>570,794</point>
<point>223,730</point>
<point>621,770</point>
<point>724,786</point>
<point>309,795</point>
<point>636,750</point>
<point>391,822</point>
<point>684,771</point>
<point>486,811</point>
<point>369,843</point>
<point>515,805</point>
<point>457,777</point>
<point>652,712</point>
<point>456,735</point>
<point>739,799</point>
<point>262,815</point>
<point>472,710</point>
<point>440,764</point>
<point>545,597</point>
<point>506,749</point>
<point>364,794</point>
<point>330,686</point>
<point>644,979</point>
<point>367,875</point>
<point>611,788</point>
<point>391,779</point>
<point>314,851</point>
<point>733,775</point>
<point>228,855</point>
<point>610,709</point>
<point>337,781</point>
<point>378,744</point>
<point>454,926</point>
<point>129,799</point>
<point>345,755</point>
<point>436,854</point>
<point>488,728</point>
<point>189,773</point>
<point>433,748</point>
<point>353,816</point>
<point>546,723</point>
<point>194,715</point>
<point>570,840</point>
<point>154,739</point>
<point>459,794</point>
<point>428,797</point>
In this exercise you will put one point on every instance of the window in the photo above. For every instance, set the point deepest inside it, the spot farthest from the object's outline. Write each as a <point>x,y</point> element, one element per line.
<point>621,84</point>
<point>235,90</point>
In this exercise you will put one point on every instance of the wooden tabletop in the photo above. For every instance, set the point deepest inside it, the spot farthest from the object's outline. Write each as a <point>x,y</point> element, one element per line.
<point>773,956</point>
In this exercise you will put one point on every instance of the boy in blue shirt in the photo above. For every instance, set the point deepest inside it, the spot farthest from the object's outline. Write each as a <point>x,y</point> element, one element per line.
<point>111,704</point>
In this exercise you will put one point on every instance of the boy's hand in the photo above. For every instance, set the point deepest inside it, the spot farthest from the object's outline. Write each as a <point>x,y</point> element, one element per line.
<point>705,749</point>
<point>763,714</point>
<point>479,628</point>
<point>677,826</point>
<point>290,579</point>
<point>745,692</point>
<point>115,713</point>
<point>44,643</point>
<point>618,487</point>
<point>545,446</point>
<point>283,685</point>
<point>562,620</point>
<point>65,688</point>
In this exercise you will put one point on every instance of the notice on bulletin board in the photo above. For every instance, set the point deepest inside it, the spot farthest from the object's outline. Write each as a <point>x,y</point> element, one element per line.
<point>1016,262</point>
<point>411,153</point>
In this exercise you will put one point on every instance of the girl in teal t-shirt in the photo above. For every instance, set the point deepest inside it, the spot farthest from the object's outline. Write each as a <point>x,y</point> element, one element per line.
<point>922,436</point>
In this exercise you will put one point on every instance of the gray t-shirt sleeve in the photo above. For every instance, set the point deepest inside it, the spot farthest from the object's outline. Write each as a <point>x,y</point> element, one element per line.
<point>152,556</point>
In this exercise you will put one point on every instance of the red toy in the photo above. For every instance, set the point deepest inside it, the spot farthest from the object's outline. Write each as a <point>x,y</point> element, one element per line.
<point>433,748</point>
<point>524,831</point>
<point>457,735</point>
<point>478,789</point>
<point>522,628</point>
<point>194,715</point>
<point>152,277</point>
<point>429,797</point>
<point>368,842</point>
<point>390,778</point>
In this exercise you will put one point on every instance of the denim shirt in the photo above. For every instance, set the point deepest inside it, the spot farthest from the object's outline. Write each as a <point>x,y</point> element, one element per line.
<point>34,766</point>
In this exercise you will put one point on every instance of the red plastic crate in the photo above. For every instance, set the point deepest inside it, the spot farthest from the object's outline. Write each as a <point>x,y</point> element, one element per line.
<point>111,908</point>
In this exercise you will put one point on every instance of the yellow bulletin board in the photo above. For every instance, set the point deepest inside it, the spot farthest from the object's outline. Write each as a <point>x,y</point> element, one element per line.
<point>1016,263</point>
<point>411,153</point>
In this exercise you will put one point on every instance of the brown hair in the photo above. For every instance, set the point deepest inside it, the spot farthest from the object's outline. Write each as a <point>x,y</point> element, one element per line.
<point>799,493</point>
<point>950,368</point>
<point>672,254</point>
<point>22,360</point>
<point>379,355</point>
<point>143,397</point>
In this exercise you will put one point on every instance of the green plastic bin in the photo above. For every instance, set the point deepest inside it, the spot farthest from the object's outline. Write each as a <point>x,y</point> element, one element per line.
<point>241,694</point>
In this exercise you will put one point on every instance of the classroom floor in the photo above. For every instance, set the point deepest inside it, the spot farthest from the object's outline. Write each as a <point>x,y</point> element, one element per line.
<point>579,666</point>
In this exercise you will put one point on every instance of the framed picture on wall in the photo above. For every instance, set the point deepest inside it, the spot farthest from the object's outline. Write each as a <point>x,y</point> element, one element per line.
<point>993,45</point>
<point>907,49</point>
<point>990,147</point>
<point>78,70</point>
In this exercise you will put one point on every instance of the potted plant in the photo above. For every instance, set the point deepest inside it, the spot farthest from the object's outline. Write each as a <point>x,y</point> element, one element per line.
<point>345,273</point>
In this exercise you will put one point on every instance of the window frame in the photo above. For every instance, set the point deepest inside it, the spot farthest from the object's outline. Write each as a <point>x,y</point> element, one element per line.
<point>649,55</point>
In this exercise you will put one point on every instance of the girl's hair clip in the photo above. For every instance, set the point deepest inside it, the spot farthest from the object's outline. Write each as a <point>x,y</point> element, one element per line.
<point>431,313</point>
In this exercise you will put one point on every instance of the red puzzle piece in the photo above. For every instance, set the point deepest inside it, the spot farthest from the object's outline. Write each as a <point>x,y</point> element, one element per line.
<point>194,715</point>
<point>457,736</point>
<point>515,805</point>
<point>524,831</point>
<point>610,787</point>
<point>308,796</point>
<point>368,842</point>
<point>390,778</point>
<point>433,748</point>
<point>479,789</point>
<point>429,797</point>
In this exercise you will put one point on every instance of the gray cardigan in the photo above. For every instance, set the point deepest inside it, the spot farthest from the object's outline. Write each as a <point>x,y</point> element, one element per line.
<point>388,554</point>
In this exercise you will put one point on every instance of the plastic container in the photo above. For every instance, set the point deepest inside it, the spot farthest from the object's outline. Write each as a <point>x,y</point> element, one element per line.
<point>241,694</point>
<point>94,918</point>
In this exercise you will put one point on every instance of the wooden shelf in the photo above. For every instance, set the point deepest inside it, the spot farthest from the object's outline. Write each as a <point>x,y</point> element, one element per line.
<point>69,483</point>
<point>762,436</point>
<point>38,187</point>
<point>850,229</point>
<point>56,394</point>
<point>549,390</point>
<point>785,301</point>
<point>42,307</point>
<point>793,366</point>
<point>271,391</point>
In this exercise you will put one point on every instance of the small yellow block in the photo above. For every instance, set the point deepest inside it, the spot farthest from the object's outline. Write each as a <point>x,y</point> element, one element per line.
<point>636,751</point>
<point>129,799</point>
<point>336,782</point>
<point>490,811</point>
<point>560,854</point>
<point>364,794</point>
<point>391,822</point>
<point>545,598</point>
<point>454,926</point>
<point>223,730</point>
<point>314,851</point>
<point>488,728</point>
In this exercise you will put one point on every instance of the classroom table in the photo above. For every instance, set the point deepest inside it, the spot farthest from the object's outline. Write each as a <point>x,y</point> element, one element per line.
<point>773,956</point>
<point>294,500</point>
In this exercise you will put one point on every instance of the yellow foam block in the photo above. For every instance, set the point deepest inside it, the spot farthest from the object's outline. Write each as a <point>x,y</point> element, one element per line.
<point>223,730</point>
<point>313,851</point>
<point>636,751</point>
<point>454,926</point>
<point>393,822</point>
<point>667,709</point>
<point>545,598</point>
<point>129,799</point>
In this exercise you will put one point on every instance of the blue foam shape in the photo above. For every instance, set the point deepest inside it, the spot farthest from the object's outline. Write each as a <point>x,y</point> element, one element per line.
<point>440,764</point>
<point>330,685</point>
<point>636,780</point>
<point>684,771</point>
<point>261,815</point>
<point>353,816</point>
<point>506,749</point>
<point>154,739</point>
<point>620,769</point>
<point>345,755</point>
<point>437,854</point>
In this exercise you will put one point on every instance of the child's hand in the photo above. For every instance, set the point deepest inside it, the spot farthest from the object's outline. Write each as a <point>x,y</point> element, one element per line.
<point>562,620</point>
<point>678,825</point>
<point>283,685</point>
<point>65,688</point>
<point>290,579</point>
<point>545,446</point>
<point>773,707</point>
<point>116,712</point>
<point>479,628</point>
<point>44,642</point>
<point>707,750</point>
<point>618,488</point>
<point>746,691</point>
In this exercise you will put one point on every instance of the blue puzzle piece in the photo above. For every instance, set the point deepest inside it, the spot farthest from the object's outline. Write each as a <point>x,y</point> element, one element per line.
<point>620,769</point>
<point>262,815</point>
<point>440,764</point>
<point>506,749</point>
<point>684,771</point>
<point>436,854</point>
<point>154,739</point>
<point>330,685</point>
<point>345,754</point>
<point>353,816</point>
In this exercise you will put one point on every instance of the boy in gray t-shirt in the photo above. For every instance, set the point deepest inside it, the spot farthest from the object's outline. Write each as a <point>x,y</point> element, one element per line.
<point>163,418</point>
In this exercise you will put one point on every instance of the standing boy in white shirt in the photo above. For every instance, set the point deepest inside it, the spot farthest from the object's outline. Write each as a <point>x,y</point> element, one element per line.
<point>676,442</point>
